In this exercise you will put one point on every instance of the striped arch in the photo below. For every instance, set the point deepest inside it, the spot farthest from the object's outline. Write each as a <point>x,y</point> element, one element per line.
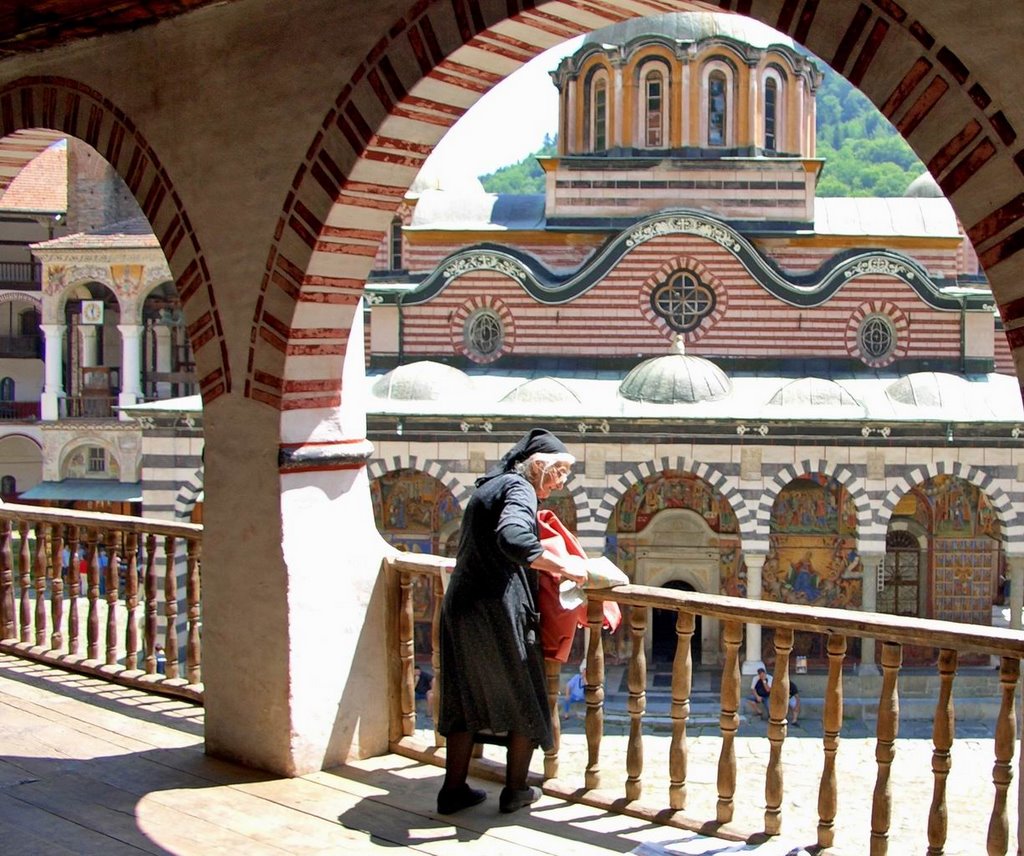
<point>189,495</point>
<point>839,472</point>
<point>69,107</point>
<point>378,467</point>
<point>1012,527</point>
<point>436,60</point>
<point>638,472</point>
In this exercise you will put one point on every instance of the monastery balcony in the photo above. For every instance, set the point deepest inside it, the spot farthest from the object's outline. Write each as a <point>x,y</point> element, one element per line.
<point>136,587</point>
<point>21,346</point>
<point>21,276</point>
<point>19,411</point>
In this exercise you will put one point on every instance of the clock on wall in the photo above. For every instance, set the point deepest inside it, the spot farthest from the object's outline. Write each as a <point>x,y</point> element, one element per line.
<point>92,311</point>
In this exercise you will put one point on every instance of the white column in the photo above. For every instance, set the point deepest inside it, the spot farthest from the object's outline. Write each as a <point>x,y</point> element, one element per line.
<point>755,118</point>
<point>53,391</point>
<point>570,145</point>
<point>90,348</point>
<point>162,335</point>
<point>873,570</point>
<point>1015,564</point>
<point>755,565</point>
<point>619,107</point>
<point>131,366</point>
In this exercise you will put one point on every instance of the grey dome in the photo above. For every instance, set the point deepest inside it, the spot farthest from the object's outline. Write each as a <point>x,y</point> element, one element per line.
<point>927,389</point>
<point>675,379</point>
<point>423,381</point>
<point>690,27</point>
<point>924,187</point>
<point>542,390</point>
<point>813,391</point>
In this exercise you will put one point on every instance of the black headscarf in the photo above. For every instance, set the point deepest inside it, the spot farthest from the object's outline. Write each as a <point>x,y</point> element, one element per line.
<point>537,440</point>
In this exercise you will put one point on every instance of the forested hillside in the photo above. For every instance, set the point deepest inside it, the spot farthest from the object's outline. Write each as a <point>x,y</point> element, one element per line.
<point>864,155</point>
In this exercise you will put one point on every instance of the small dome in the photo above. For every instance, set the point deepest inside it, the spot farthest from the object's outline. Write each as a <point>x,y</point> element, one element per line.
<point>435,175</point>
<point>813,391</point>
<point>690,27</point>
<point>927,389</point>
<point>924,187</point>
<point>675,379</point>
<point>423,381</point>
<point>542,390</point>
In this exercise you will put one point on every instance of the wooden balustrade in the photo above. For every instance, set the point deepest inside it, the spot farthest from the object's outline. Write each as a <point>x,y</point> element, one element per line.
<point>893,632</point>
<point>41,607</point>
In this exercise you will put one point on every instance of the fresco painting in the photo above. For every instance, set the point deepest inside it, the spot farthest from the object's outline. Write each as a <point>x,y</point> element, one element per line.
<point>672,489</point>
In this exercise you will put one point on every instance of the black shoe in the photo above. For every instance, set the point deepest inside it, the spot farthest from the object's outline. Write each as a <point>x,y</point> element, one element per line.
<point>512,799</point>
<point>458,799</point>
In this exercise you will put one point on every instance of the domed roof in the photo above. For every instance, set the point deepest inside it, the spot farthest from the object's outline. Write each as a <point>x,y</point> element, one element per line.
<point>423,381</point>
<point>675,379</point>
<point>813,391</point>
<point>927,389</point>
<point>542,390</point>
<point>690,27</point>
<point>435,175</point>
<point>924,187</point>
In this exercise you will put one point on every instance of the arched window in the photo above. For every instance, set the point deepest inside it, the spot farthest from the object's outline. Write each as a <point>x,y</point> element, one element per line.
<point>600,115</point>
<point>395,245</point>
<point>8,485</point>
<point>771,115</point>
<point>7,389</point>
<point>717,109</point>
<point>654,110</point>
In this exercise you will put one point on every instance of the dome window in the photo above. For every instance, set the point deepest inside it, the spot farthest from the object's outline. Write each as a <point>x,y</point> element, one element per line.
<point>876,337</point>
<point>595,124</point>
<point>484,333</point>
<point>771,111</point>
<point>683,301</point>
<point>717,128</point>
<point>654,112</point>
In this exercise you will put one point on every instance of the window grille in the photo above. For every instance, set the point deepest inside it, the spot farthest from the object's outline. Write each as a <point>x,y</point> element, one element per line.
<point>683,301</point>
<point>876,337</point>
<point>484,333</point>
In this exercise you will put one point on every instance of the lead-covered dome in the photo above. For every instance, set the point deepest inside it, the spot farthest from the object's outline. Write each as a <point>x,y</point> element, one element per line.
<point>423,381</point>
<point>676,378</point>
<point>690,27</point>
<point>814,392</point>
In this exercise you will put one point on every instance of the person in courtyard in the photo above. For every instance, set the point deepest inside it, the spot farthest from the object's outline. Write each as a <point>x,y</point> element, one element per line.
<point>493,685</point>
<point>794,704</point>
<point>760,689</point>
<point>575,690</point>
<point>424,688</point>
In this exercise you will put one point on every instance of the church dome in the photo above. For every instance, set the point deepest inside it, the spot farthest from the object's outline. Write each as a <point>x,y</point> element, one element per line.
<point>689,27</point>
<point>542,390</point>
<point>924,187</point>
<point>676,378</point>
<point>927,389</point>
<point>815,392</point>
<point>423,381</point>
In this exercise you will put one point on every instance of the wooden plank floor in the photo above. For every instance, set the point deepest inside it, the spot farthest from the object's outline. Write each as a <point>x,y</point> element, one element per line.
<point>87,767</point>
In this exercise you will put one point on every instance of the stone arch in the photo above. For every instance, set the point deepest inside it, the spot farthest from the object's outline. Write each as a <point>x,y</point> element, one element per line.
<point>839,472</point>
<point>189,495</point>
<point>77,443</point>
<point>341,204</point>
<point>70,107</point>
<point>638,472</point>
<point>379,466</point>
<point>21,297</point>
<point>1011,527</point>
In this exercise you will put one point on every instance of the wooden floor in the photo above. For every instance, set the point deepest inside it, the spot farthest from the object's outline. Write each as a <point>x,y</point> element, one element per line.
<point>87,767</point>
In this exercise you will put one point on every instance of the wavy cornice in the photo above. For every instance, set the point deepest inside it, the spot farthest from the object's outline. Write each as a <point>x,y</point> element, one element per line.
<point>804,290</point>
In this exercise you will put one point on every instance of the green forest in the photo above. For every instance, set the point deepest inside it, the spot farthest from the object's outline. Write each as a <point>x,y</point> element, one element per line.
<point>864,155</point>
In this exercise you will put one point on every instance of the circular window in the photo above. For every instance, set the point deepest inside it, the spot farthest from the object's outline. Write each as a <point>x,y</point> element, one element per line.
<point>484,333</point>
<point>683,301</point>
<point>876,337</point>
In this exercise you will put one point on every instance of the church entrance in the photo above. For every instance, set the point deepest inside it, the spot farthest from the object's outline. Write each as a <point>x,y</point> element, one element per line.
<point>663,632</point>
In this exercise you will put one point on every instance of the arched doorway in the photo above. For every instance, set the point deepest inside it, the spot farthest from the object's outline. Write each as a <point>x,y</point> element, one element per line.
<point>663,631</point>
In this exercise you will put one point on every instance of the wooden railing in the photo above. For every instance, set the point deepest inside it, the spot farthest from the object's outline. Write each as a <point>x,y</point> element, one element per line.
<point>837,625</point>
<point>88,591</point>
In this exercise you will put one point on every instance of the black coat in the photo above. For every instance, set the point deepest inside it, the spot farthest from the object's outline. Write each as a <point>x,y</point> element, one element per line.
<point>492,665</point>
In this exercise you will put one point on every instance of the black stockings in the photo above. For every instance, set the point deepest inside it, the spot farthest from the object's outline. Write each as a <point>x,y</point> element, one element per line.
<point>460,751</point>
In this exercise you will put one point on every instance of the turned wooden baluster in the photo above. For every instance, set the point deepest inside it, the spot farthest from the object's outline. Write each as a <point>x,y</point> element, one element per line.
<point>92,624</point>
<point>193,642</point>
<point>943,730</point>
<point>112,584</point>
<point>885,749</point>
<point>407,655</point>
<point>6,581</point>
<point>832,724</point>
<point>131,602</point>
<point>682,681</point>
<point>25,582</point>
<point>778,707</point>
<point>170,607</point>
<point>594,694</point>
<point>150,626</point>
<point>729,719</point>
<point>998,839</point>
<point>637,703</point>
<point>40,585</point>
<point>74,591</point>
<point>56,587</point>
<point>435,653</point>
<point>553,674</point>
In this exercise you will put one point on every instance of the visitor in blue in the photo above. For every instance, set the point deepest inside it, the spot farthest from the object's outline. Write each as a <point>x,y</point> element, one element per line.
<point>492,680</point>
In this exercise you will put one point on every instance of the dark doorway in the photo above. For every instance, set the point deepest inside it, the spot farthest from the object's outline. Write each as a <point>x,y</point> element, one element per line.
<point>663,631</point>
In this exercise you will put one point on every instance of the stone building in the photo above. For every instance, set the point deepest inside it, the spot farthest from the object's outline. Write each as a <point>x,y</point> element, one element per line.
<point>770,395</point>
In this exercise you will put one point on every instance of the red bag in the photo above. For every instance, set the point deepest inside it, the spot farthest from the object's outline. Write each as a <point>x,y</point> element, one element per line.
<point>558,624</point>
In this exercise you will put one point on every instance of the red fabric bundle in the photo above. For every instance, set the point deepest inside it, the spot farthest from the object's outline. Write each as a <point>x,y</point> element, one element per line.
<point>558,624</point>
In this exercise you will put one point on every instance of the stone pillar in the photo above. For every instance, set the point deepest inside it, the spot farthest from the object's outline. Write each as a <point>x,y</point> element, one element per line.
<point>90,345</point>
<point>1015,565</point>
<point>873,564</point>
<point>618,104</point>
<point>131,365</point>
<point>162,335</point>
<point>752,659</point>
<point>53,391</point>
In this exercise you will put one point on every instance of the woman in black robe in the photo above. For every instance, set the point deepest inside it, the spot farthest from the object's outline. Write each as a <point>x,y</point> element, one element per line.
<point>493,685</point>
